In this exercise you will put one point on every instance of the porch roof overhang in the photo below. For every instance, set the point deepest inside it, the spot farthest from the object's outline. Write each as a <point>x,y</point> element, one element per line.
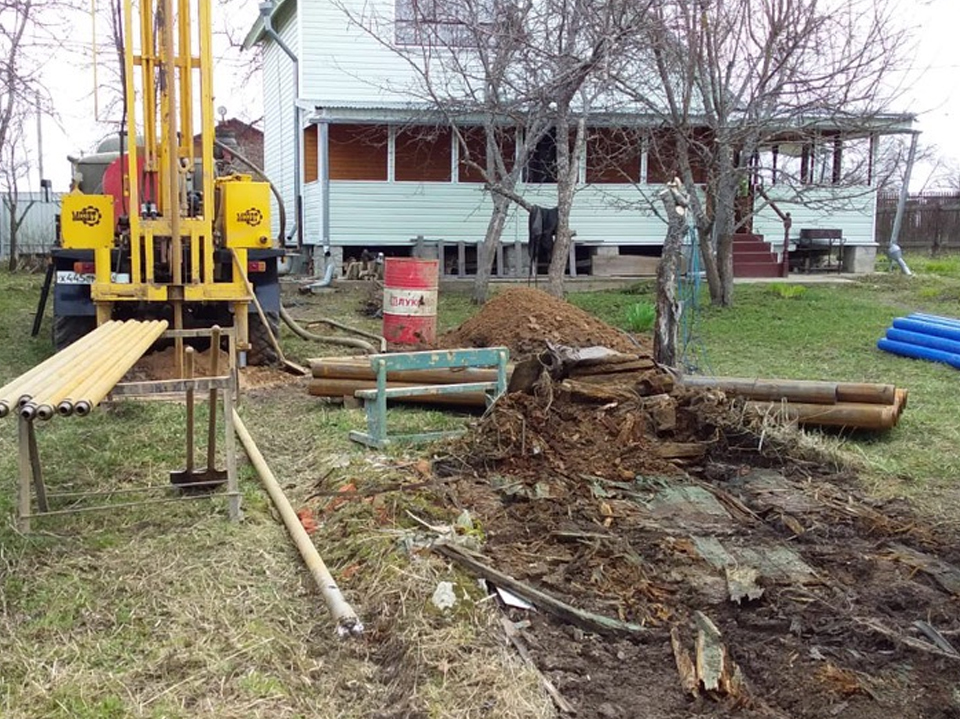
<point>846,126</point>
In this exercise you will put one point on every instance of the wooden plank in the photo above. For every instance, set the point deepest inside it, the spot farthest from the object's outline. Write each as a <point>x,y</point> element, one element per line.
<point>436,359</point>
<point>169,386</point>
<point>585,620</point>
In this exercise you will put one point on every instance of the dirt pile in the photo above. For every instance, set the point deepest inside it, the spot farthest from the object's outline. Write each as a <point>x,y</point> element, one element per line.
<point>525,319</point>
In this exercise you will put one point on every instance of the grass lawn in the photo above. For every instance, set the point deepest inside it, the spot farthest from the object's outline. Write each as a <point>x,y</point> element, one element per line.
<point>170,611</point>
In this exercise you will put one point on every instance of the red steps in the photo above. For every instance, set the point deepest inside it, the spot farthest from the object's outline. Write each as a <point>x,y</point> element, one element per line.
<point>752,257</point>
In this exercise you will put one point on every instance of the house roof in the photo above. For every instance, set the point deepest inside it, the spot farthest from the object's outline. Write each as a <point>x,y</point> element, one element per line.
<point>255,34</point>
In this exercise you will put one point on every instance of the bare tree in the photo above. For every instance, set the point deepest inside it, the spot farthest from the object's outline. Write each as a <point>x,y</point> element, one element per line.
<point>532,71</point>
<point>728,79</point>
<point>14,166</point>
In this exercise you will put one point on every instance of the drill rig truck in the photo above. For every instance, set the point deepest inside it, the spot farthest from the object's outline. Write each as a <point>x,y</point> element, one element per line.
<point>149,230</point>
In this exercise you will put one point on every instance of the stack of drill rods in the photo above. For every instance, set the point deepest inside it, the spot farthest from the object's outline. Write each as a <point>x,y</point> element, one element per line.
<point>94,392</point>
<point>19,391</point>
<point>44,397</point>
<point>84,373</point>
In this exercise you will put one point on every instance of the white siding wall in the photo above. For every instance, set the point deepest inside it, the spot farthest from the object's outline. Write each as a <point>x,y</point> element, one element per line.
<point>342,62</point>
<point>278,103</point>
<point>851,209</point>
<point>383,213</point>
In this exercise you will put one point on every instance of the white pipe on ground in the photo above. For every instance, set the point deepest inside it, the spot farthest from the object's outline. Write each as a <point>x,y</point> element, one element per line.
<point>348,624</point>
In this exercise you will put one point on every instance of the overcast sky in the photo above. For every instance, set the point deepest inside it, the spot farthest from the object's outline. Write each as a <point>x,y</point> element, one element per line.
<point>933,91</point>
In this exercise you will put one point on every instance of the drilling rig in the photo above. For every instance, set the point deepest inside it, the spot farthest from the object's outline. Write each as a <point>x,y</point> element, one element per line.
<point>149,229</point>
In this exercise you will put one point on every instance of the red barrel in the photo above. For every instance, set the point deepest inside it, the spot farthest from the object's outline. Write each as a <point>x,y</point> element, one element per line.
<point>410,300</point>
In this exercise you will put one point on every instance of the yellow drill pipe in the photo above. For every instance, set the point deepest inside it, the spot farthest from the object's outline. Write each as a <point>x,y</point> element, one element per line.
<point>109,380</point>
<point>11,393</point>
<point>65,400</point>
<point>94,361</point>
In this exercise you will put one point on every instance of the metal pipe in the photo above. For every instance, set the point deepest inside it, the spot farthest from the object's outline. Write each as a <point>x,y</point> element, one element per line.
<point>94,362</point>
<point>212,403</point>
<point>336,369</point>
<point>23,386</point>
<point>65,404</point>
<point>347,621</point>
<point>904,189</point>
<point>769,389</point>
<point>344,341</point>
<point>347,387</point>
<point>842,414</point>
<point>120,368</point>
<point>266,15</point>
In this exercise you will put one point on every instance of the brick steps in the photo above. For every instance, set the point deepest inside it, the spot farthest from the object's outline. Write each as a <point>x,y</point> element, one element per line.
<point>752,257</point>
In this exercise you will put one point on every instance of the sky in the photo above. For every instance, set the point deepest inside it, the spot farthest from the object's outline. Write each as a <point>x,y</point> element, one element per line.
<point>931,90</point>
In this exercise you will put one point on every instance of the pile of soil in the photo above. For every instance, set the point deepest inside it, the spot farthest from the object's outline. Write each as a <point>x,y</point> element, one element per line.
<point>162,365</point>
<point>816,590</point>
<point>525,319</point>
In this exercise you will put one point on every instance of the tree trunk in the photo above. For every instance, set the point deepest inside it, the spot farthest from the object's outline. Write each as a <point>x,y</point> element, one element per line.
<point>725,221</point>
<point>488,249</point>
<point>567,173</point>
<point>665,336</point>
<point>14,227</point>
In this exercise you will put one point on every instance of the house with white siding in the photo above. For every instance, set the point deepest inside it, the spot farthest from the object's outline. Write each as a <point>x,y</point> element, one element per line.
<point>359,167</point>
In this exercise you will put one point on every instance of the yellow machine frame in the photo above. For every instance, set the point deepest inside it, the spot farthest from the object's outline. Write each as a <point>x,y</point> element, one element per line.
<point>161,46</point>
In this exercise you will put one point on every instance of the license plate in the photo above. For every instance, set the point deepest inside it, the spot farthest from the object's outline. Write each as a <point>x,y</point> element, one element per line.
<point>65,277</point>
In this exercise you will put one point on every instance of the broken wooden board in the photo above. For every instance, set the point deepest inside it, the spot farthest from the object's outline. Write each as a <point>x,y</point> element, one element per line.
<point>946,575</point>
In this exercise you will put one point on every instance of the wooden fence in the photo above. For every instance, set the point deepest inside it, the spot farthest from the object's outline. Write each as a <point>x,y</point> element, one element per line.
<point>931,221</point>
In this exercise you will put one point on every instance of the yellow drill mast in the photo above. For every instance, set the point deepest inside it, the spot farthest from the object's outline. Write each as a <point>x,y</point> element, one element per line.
<point>186,234</point>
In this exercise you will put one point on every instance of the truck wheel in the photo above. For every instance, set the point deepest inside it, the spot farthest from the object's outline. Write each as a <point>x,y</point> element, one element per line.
<point>262,351</point>
<point>67,330</point>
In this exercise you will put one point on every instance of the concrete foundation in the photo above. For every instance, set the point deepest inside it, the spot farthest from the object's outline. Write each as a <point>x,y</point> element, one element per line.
<point>860,260</point>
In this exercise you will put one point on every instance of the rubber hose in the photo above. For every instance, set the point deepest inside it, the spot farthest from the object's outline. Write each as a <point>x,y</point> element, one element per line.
<point>354,330</point>
<point>345,341</point>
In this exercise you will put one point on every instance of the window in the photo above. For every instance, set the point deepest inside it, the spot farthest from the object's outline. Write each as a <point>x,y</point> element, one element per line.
<point>358,152</point>
<point>310,159</point>
<point>663,162</point>
<point>450,23</point>
<point>613,155</point>
<point>475,139</point>
<point>423,154</point>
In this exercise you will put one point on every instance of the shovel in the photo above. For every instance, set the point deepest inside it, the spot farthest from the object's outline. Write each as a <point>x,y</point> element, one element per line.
<point>202,480</point>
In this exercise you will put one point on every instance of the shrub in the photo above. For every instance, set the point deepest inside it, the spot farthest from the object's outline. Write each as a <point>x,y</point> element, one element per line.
<point>641,316</point>
<point>787,292</point>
